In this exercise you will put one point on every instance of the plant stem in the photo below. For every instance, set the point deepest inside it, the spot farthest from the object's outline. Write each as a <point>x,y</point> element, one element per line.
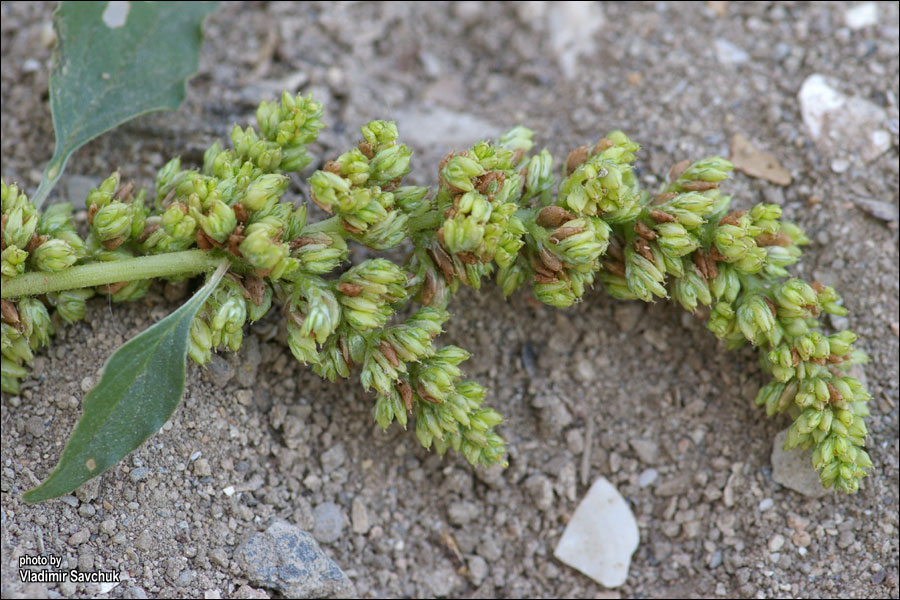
<point>188,262</point>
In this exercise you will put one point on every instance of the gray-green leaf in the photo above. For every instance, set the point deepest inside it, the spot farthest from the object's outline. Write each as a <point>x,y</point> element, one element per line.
<point>141,385</point>
<point>115,61</point>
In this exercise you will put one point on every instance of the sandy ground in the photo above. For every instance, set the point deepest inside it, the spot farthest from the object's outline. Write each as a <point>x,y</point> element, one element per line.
<point>604,388</point>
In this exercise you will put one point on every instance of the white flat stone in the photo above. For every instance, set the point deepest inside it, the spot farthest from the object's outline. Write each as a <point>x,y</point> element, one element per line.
<point>601,536</point>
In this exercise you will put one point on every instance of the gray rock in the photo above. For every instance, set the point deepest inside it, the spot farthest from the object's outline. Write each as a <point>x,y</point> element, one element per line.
<point>646,450</point>
<point>328,522</point>
<point>541,491</point>
<point>886,211</point>
<point>841,124</point>
<point>333,458</point>
<point>793,469</point>
<point>462,513</point>
<point>289,560</point>
<point>601,536</point>
<point>359,516</point>
<point>219,371</point>
<point>729,54</point>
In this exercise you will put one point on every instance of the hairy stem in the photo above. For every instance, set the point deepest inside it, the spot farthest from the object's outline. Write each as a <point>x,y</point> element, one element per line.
<point>188,262</point>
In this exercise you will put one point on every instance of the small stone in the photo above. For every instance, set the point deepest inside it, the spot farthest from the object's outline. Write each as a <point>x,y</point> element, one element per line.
<point>328,522</point>
<point>541,491</point>
<point>674,486</point>
<point>627,315</point>
<point>647,477</point>
<point>442,580</point>
<point>861,16</point>
<point>801,539</point>
<point>219,371</point>
<point>729,54</point>
<point>766,504</point>
<point>35,426</point>
<point>793,469</point>
<point>108,526</point>
<point>287,559</point>
<point>462,513</point>
<point>138,474</point>
<point>601,536</point>
<point>333,458</point>
<point>843,125</point>
<point>478,570</point>
<point>776,542</point>
<point>144,541</point>
<point>646,450</point>
<point>359,516</point>
<point>202,468</point>
<point>886,211</point>
<point>79,537</point>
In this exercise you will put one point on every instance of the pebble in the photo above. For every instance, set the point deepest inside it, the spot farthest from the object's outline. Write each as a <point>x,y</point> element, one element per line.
<point>202,468</point>
<point>442,580</point>
<point>776,542</point>
<point>328,522</point>
<point>793,469</point>
<point>333,458</point>
<point>478,570</point>
<point>647,477</point>
<point>886,211</point>
<point>601,536</point>
<point>289,560</point>
<point>766,504</point>
<point>359,516</point>
<point>861,16</point>
<point>541,491</point>
<point>842,124</point>
<point>138,474</point>
<point>646,450</point>
<point>729,54</point>
<point>462,513</point>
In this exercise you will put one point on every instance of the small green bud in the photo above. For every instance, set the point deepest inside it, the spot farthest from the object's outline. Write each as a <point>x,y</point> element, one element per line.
<point>53,255</point>
<point>112,221</point>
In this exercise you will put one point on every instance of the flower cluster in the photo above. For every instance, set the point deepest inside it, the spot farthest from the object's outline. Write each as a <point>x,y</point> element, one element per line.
<point>33,242</point>
<point>494,213</point>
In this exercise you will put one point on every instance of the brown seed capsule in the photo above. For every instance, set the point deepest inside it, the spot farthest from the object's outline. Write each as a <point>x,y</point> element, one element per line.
<point>429,288</point>
<point>146,233</point>
<point>615,249</point>
<point>614,267</point>
<point>835,395</point>
<point>444,262</point>
<point>35,241</point>
<point>771,306</point>
<point>733,218</point>
<point>350,289</point>
<point>642,247</point>
<point>818,286</point>
<point>124,192</point>
<point>779,239</point>
<point>468,257</point>
<point>113,243</point>
<point>483,183</point>
<point>235,239</point>
<point>601,145</point>
<point>424,395</point>
<point>345,352</point>
<point>10,313</point>
<point>564,232</point>
<point>550,261</point>
<point>576,158</point>
<point>406,393</point>
<point>644,231</point>
<point>350,227</point>
<point>553,216</point>
<point>91,212</point>
<point>715,255</point>
<point>663,198</point>
<point>661,216</point>
<point>389,353</point>
<point>678,168</point>
<point>256,289</point>
<point>367,149</point>
<point>332,166</point>
<point>699,186</point>
<point>240,213</point>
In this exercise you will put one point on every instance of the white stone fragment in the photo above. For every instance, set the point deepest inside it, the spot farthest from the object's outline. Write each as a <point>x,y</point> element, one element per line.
<point>843,125</point>
<point>601,536</point>
<point>862,16</point>
<point>571,28</point>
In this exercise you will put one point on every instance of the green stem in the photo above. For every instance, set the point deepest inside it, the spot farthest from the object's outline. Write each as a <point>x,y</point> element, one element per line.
<point>188,262</point>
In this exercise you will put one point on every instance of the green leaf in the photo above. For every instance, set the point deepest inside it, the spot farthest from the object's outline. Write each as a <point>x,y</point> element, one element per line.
<point>141,385</point>
<point>106,72</point>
